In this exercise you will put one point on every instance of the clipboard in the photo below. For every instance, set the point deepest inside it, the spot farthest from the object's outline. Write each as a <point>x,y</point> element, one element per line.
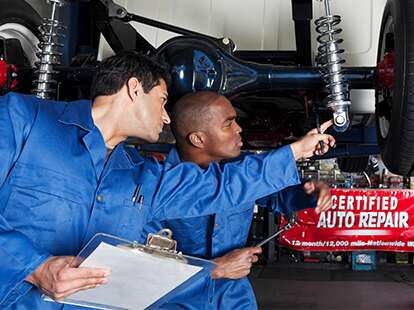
<point>147,276</point>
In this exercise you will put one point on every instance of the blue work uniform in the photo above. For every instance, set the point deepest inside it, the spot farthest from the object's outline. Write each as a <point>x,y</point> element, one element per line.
<point>215,235</point>
<point>57,189</point>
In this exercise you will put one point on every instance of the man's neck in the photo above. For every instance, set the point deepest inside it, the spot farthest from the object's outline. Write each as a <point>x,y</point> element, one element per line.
<point>200,159</point>
<point>105,118</point>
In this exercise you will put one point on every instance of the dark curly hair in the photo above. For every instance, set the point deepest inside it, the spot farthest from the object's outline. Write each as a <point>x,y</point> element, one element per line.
<point>115,71</point>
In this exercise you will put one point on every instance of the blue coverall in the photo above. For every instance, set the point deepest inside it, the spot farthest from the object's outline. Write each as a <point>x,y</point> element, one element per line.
<point>215,235</point>
<point>56,190</point>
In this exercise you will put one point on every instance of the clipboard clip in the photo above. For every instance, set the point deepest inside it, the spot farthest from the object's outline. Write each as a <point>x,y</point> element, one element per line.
<point>162,241</point>
<point>161,244</point>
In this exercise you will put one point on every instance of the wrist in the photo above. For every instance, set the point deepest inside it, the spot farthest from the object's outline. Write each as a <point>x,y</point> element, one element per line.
<point>295,150</point>
<point>217,272</point>
<point>34,277</point>
<point>31,278</point>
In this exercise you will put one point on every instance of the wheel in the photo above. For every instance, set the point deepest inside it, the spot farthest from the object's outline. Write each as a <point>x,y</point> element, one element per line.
<point>353,164</point>
<point>18,20</point>
<point>394,92</point>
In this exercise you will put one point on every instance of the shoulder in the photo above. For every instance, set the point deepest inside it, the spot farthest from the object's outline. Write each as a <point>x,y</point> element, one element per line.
<point>27,107</point>
<point>18,105</point>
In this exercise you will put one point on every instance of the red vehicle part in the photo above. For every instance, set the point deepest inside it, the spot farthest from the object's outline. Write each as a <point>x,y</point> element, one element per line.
<point>7,76</point>
<point>385,68</point>
<point>3,73</point>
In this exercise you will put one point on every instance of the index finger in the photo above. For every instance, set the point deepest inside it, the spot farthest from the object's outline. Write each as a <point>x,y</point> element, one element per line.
<point>255,250</point>
<point>83,273</point>
<point>326,125</point>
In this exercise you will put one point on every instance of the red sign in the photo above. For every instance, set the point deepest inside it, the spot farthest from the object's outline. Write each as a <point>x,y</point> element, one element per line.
<point>358,220</point>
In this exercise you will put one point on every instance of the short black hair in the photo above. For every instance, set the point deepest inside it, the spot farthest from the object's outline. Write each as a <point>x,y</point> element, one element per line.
<point>115,71</point>
<point>191,113</point>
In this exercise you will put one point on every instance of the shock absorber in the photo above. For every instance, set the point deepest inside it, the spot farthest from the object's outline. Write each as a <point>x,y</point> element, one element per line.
<point>49,55</point>
<point>330,61</point>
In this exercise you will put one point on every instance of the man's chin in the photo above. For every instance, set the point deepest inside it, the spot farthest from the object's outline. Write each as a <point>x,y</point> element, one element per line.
<point>153,138</point>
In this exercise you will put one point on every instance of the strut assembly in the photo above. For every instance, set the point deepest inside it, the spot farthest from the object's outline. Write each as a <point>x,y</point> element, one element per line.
<point>49,55</point>
<point>329,60</point>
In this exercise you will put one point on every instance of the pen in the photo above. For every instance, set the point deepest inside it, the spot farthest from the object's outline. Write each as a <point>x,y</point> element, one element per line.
<point>136,193</point>
<point>141,201</point>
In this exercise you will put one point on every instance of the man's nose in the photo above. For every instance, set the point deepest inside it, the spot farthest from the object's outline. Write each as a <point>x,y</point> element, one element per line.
<point>165,117</point>
<point>238,128</point>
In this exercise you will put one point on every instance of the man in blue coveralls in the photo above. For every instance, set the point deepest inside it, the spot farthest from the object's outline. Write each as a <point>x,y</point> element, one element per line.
<point>206,131</point>
<point>65,175</point>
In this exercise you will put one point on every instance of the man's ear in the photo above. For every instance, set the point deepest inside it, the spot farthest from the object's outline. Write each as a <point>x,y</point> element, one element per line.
<point>197,139</point>
<point>134,88</point>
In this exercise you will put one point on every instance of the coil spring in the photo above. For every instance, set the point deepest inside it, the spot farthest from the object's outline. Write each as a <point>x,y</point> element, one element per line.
<point>49,55</point>
<point>330,61</point>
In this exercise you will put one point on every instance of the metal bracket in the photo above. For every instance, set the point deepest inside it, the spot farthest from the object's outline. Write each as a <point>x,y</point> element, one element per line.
<point>115,10</point>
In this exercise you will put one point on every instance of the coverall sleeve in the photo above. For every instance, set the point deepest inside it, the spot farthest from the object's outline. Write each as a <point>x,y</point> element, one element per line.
<point>289,200</point>
<point>19,257</point>
<point>186,190</point>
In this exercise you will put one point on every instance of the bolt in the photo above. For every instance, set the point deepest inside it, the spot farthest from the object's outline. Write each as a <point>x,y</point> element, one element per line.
<point>225,41</point>
<point>120,12</point>
<point>340,120</point>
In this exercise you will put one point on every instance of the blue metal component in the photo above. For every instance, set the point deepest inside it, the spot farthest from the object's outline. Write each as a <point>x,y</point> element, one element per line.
<point>201,64</point>
<point>361,134</point>
<point>351,150</point>
<point>204,69</point>
<point>358,141</point>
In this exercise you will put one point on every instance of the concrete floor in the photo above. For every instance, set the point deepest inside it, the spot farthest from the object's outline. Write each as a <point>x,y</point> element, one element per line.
<point>332,286</point>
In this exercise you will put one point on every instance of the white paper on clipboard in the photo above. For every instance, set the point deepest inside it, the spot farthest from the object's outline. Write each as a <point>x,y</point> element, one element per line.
<point>138,279</point>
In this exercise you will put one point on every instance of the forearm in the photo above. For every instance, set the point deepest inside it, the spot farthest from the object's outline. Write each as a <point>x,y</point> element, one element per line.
<point>295,147</point>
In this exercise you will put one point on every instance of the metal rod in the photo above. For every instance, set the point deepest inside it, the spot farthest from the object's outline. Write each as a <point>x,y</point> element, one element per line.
<point>289,224</point>
<point>367,178</point>
<point>52,24</point>
<point>327,7</point>
<point>261,243</point>
<point>294,78</point>
<point>161,25</point>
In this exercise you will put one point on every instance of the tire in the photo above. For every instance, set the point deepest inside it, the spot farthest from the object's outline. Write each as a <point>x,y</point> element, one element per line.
<point>20,12</point>
<point>20,21</point>
<point>395,106</point>
<point>353,164</point>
